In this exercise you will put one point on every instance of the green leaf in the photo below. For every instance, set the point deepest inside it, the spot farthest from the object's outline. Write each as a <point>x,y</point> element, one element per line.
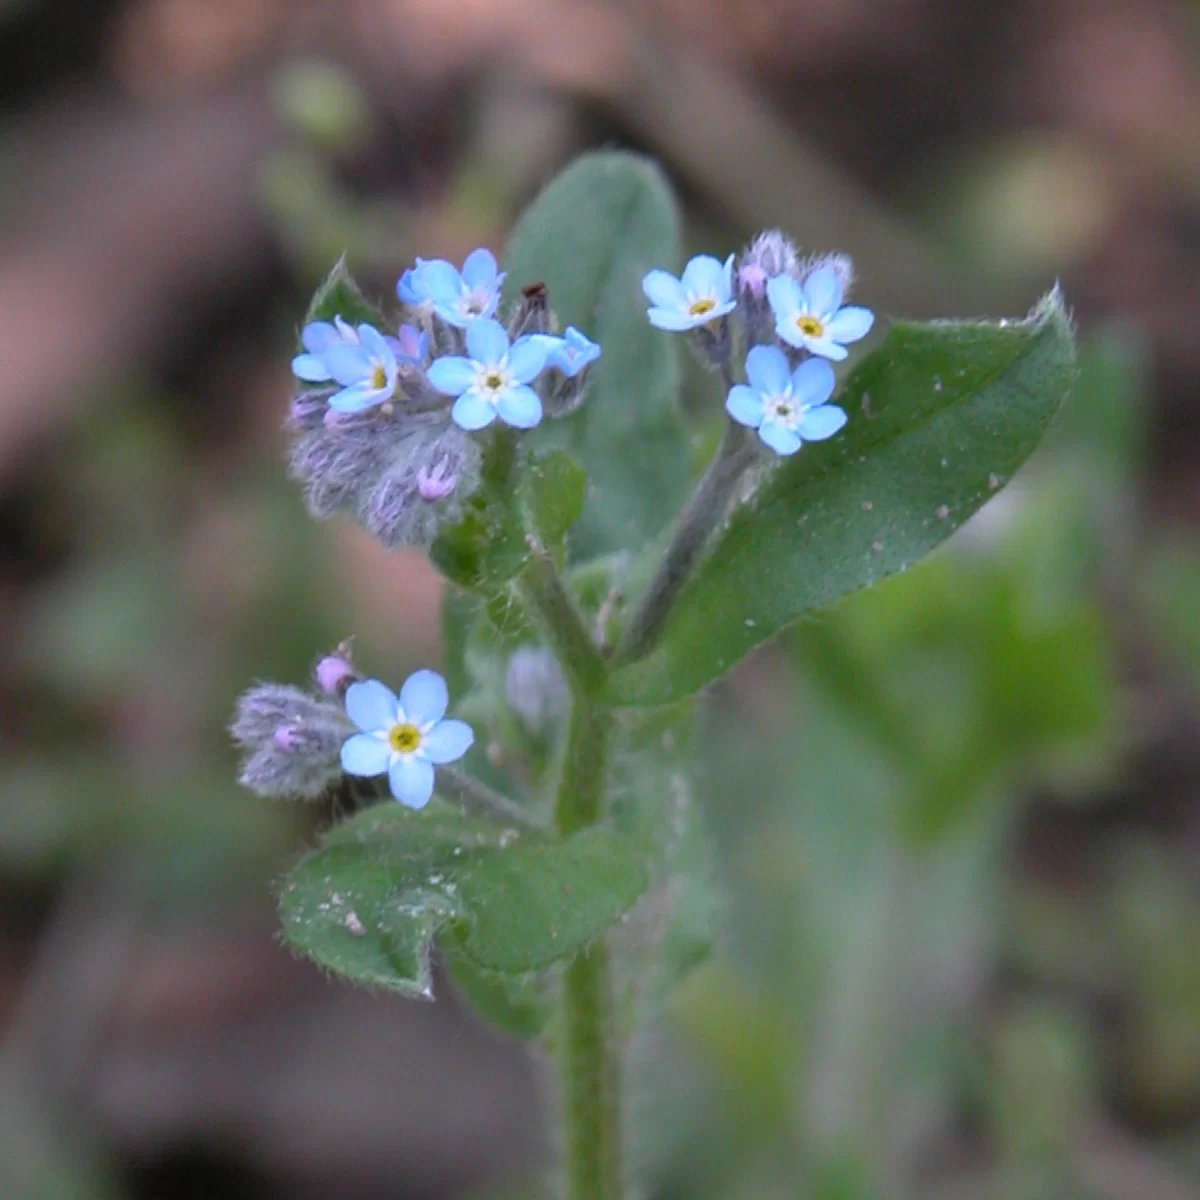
<point>340,296</point>
<point>591,237</point>
<point>941,416</point>
<point>553,489</point>
<point>516,1004</point>
<point>368,903</point>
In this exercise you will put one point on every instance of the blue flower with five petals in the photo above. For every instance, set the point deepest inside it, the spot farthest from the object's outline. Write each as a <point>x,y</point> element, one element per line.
<point>702,294</point>
<point>404,736</point>
<point>810,315</point>
<point>787,407</point>
<point>367,369</point>
<point>493,380</point>
<point>458,297</point>
<point>569,353</point>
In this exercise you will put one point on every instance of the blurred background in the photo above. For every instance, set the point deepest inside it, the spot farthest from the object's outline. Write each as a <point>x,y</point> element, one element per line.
<point>955,822</point>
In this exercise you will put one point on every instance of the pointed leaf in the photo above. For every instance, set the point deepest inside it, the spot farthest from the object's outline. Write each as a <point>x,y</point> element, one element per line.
<point>941,416</point>
<point>340,296</point>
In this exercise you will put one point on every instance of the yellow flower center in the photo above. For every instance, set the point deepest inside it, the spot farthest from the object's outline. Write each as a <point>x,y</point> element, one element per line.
<point>699,307</point>
<point>810,326</point>
<point>404,739</point>
<point>379,378</point>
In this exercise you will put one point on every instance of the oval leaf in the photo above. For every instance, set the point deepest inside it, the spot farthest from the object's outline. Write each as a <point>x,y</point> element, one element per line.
<point>368,903</point>
<point>340,296</point>
<point>941,416</point>
<point>591,236</point>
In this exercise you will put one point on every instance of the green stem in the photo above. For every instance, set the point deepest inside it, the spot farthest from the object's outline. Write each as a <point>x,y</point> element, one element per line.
<point>590,1079</point>
<point>467,792</point>
<point>546,594</point>
<point>589,1063</point>
<point>701,515</point>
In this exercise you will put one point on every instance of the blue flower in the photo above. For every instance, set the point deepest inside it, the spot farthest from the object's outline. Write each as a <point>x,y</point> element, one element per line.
<point>569,353</point>
<point>786,407</point>
<point>702,294</point>
<point>810,316</point>
<point>318,338</point>
<point>405,736</point>
<point>458,297</point>
<point>493,380</point>
<point>367,370</point>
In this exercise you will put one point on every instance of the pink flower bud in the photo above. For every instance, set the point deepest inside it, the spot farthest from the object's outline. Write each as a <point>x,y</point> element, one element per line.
<point>752,279</point>
<point>285,737</point>
<point>334,675</point>
<point>438,483</point>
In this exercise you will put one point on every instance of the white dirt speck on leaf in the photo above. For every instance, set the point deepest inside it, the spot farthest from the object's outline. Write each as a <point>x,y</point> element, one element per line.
<point>353,925</point>
<point>942,512</point>
<point>993,481</point>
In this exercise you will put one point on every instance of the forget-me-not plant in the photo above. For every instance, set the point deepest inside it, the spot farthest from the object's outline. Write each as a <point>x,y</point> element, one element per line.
<point>404,736</point>
<point>575,636</point>
<point>786,407</point>
<point>493,379</point>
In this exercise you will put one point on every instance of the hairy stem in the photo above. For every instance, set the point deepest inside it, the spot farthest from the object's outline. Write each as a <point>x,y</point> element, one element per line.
<point>701,515</point>
<point>589,1079</point>
<point>543,590</point>
<point>588,1061</point>
<point>467,792</point>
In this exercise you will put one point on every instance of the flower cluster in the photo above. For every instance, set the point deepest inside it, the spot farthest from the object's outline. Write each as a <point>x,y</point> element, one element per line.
<point>384,424</point>
<point>793,319</point>
<point>299,744</point>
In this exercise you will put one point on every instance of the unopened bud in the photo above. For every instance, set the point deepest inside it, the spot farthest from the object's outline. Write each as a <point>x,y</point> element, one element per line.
<point>532,312</point>
<point>335,673</point>
<point>437,482</point>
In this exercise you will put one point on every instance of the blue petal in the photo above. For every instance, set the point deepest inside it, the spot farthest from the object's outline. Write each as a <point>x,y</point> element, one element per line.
<point>319,336</point>
<point>826,347</point>
<point>767,369</point>
<point>821,422</point>
<point>729,275</point>
<point>365,754</point>
<point>823,287</point>
<point>310,368</point>
<point>447,741</point>
<point>438,281</point>
<point>745,405</point>
<point>358,397</point>
<point>374,345</point>
<point>663,290</point>
<point>850,324</point>
<point>487,343</point>
<point>813,382</point>
<point>347,364</point>
<point>406,288</point>
<point>785,296</point>
<point>526,359</point>
<point>779,437</point>
<point>674,321</point>
<point>471,412</point>
<point>704,276</point>
<point>411,780</point>
<point>424,697</point>
<point>480,269</point>
<point>371,705</point>
<point>520,407</point>
<point>451,375</point>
